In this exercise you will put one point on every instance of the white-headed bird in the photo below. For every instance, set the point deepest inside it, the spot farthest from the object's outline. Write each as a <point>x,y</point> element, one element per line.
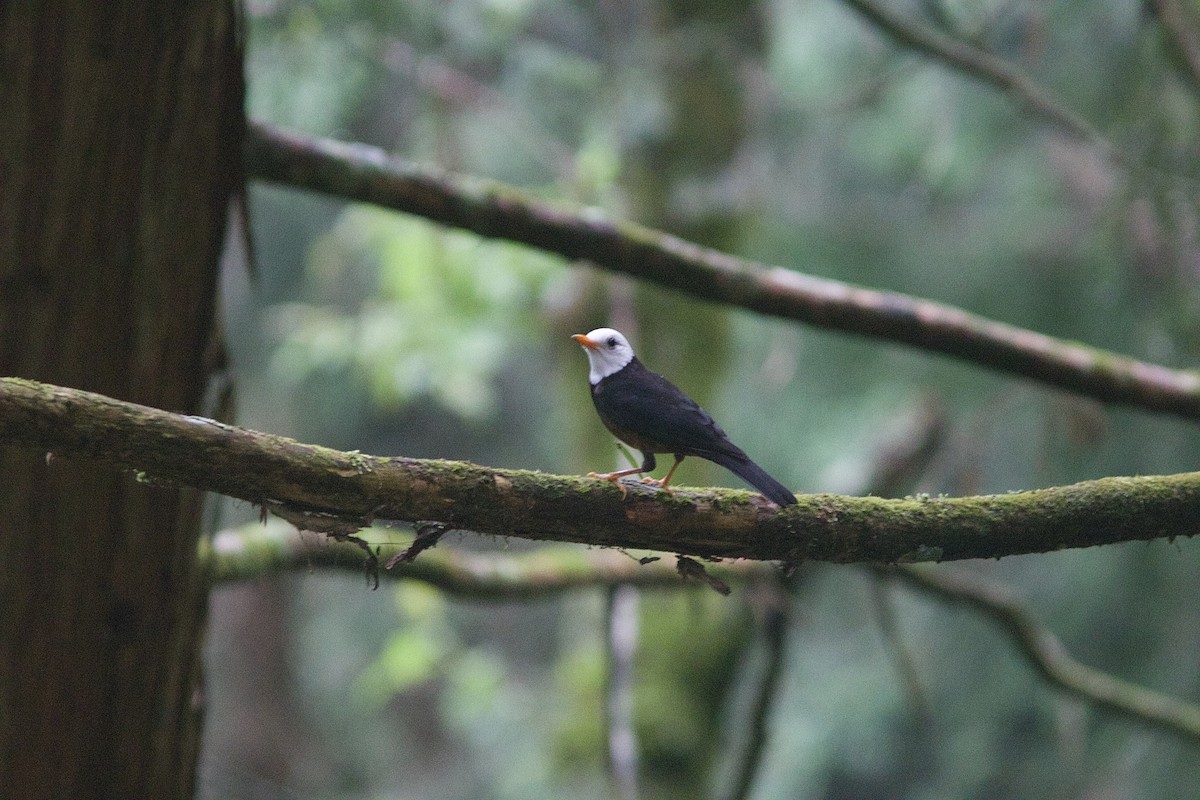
<point>647,412</point>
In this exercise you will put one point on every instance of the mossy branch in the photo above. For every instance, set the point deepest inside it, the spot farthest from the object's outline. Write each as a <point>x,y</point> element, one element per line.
<point>354,488</point>
<point>359,172</point>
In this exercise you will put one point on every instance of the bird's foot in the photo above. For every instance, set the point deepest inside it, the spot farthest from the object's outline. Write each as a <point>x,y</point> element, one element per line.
<point>612,477</point>
<point>661,483</point>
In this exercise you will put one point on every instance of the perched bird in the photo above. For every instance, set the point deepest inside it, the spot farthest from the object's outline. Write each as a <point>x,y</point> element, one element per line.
<point>648,412</point>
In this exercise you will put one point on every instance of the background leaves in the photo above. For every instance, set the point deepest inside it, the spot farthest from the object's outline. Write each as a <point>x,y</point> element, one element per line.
<point>794,133</point>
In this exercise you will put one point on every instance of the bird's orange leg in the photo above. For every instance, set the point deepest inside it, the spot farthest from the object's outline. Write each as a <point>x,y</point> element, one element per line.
<point>615,477</point>
<point>666,479</point>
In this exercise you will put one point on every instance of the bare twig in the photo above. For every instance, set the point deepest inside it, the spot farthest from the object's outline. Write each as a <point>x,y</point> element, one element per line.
<point>492,210</point>
<point>623,610</point>
<point>338,529</point>
<point>1183,34</point>
<point>714,523</point>
<point>1050,658</point>
<point>428,535</point>
<point>693,569</point>
<point>983,66</point>
<point>906,664</point>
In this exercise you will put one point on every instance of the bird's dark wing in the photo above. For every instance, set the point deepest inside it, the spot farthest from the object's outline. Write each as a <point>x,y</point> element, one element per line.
<point>649,412</point>
<point>654,415</point>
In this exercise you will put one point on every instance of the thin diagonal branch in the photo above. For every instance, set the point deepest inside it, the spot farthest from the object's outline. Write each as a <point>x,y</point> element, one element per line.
<point>902,655</point>
<point>1182,32</point>
<point>1051,659</point>
<point>982,66</point>
<point>368,174</point>
<point>328,484</point>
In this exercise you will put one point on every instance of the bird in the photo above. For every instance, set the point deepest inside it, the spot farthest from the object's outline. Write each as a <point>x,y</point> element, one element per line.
<point>649,413</point>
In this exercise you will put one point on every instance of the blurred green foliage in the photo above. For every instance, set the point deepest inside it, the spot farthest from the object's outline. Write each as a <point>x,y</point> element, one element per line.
<point>790,132</point>
<point>426,324</point>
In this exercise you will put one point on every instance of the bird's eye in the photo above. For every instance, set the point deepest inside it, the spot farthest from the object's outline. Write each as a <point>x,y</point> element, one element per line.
<point>612,342</point>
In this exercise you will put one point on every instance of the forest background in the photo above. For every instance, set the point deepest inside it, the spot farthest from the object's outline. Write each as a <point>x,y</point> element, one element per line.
<point>888,146</point>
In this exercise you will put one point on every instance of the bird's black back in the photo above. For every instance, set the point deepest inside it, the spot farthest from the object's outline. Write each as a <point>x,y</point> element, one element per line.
<point>649,412</point>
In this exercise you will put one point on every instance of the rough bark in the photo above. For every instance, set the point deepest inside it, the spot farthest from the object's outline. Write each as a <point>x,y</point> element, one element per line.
<point>120,142</point>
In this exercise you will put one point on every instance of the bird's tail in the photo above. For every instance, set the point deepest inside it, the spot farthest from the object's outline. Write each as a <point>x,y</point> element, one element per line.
<point>741,465</point>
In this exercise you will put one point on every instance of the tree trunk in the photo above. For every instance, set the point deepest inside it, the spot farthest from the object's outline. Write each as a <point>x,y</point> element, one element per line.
<point>120,146</point>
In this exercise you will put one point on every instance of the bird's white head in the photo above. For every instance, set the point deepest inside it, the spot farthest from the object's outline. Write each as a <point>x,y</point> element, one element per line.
<point>607,351</point>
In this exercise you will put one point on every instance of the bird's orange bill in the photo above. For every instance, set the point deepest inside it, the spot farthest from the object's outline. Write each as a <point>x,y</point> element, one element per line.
<point>585,341</point>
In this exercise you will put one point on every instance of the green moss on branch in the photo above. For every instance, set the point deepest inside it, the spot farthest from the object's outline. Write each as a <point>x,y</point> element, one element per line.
<point>263,468</point>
